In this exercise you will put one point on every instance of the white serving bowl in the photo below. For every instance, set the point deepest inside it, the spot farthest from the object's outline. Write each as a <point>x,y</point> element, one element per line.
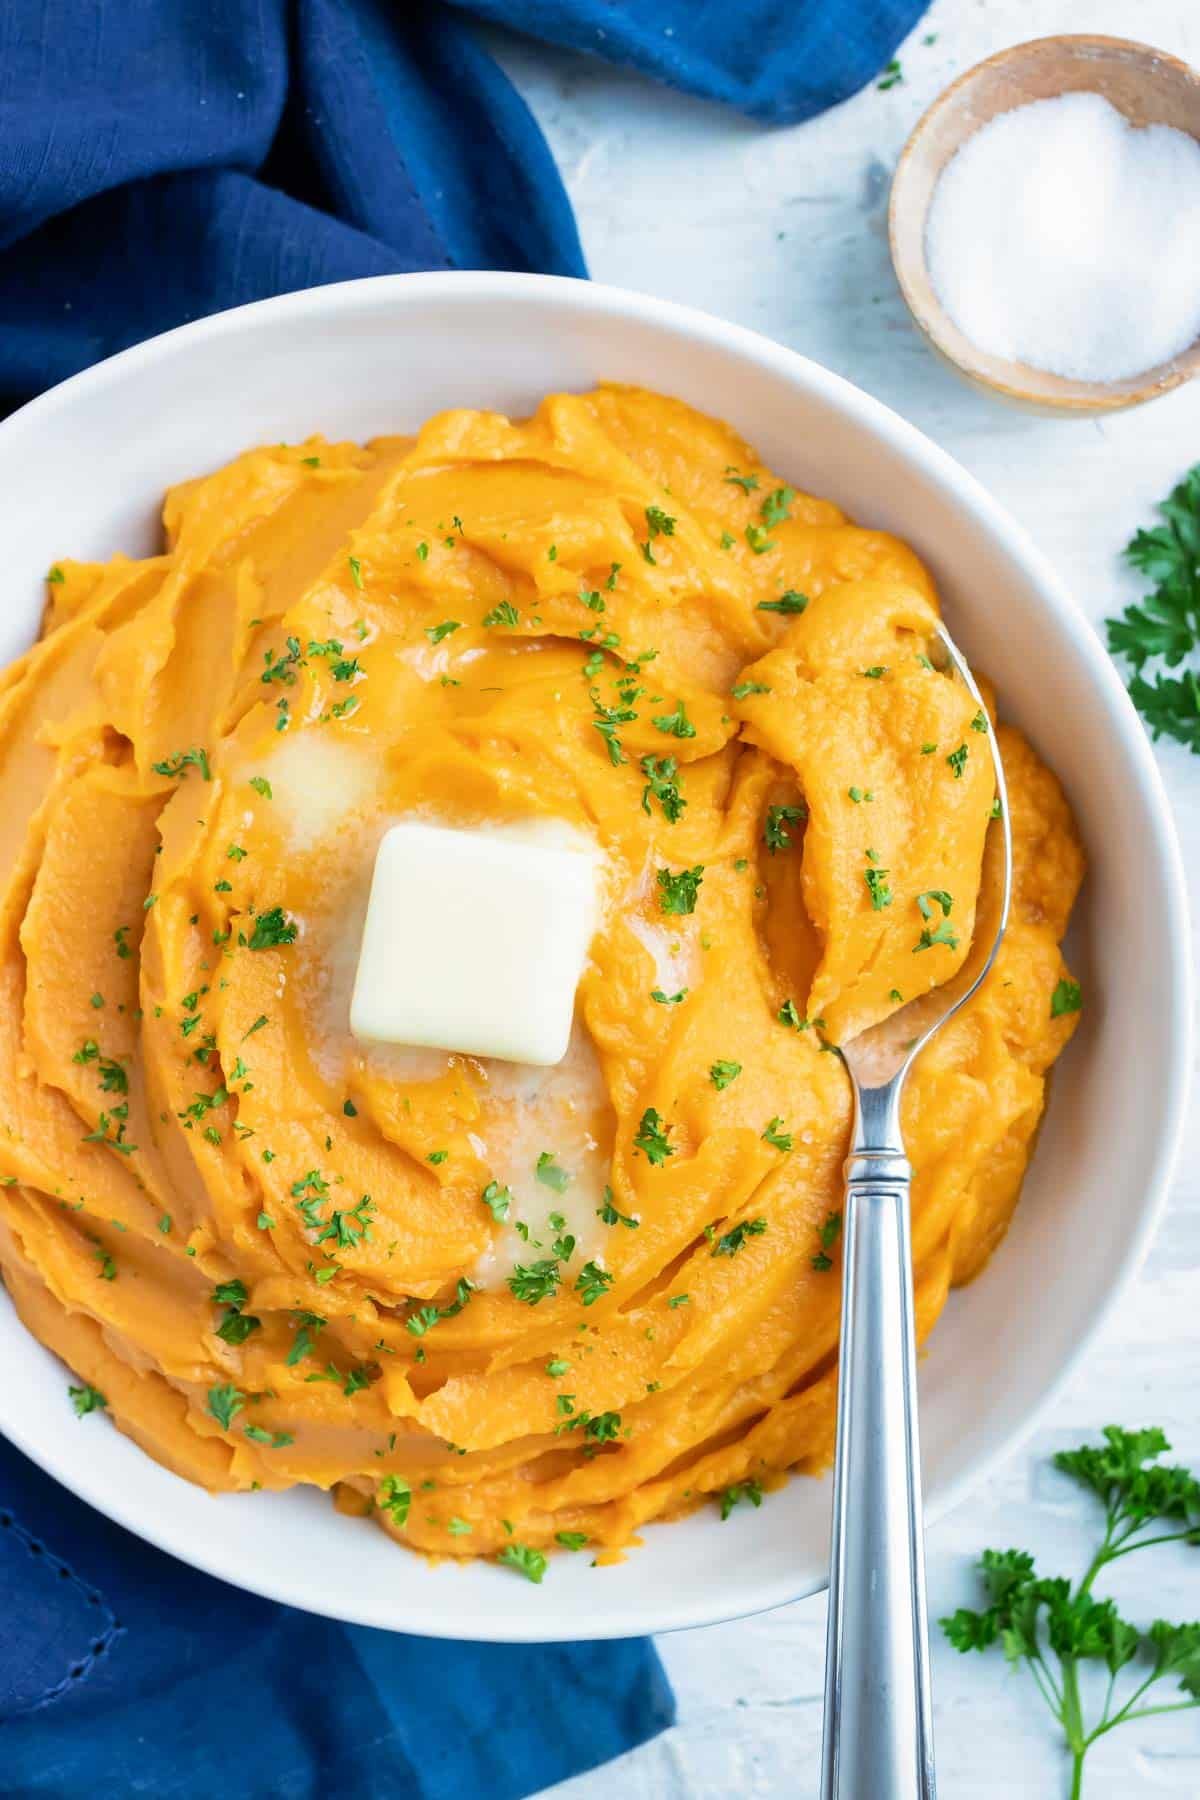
<point>84,469</point>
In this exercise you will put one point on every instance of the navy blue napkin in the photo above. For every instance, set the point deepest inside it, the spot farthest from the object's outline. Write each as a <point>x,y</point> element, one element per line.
<point>163,159</point>
<point>124,1672</point>
<point>160,160</point>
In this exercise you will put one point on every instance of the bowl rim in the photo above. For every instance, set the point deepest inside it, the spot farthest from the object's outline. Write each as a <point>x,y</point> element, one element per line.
<point>1073,396</point>
<point>984,514</point>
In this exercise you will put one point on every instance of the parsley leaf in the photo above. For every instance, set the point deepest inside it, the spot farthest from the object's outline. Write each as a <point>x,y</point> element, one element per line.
<point>679,893</point>
<point>676,724</point>
<point>722,1073</point>
<point>176,767</point>
<point>1066,998</point>
<point>651,1138</point>
<point>750,1491</point>
<point>86,1399</point>
<point>660,773</point>
<point>733,1240</point>
<point>272,928</point>
<point>776,835</point>
<point>1166,623</point>
<point>790,601</point>
<point>224,1403</point>
<point>1040,1621</point>
<point>529,1563</point>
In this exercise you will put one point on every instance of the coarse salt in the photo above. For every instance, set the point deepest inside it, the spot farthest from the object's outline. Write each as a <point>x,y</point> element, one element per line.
<point>1063,237</point>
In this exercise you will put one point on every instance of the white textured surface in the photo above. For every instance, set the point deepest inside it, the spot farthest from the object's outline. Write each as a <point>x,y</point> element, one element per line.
<point>785,231</point>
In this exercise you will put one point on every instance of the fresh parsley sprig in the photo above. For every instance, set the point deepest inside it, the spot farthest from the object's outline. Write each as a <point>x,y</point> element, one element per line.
<point>1055,1629</point>
<point>1164,627</point>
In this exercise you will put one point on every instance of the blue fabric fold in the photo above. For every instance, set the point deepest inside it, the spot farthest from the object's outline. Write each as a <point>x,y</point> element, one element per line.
<point>124,1672</point>
<point>161,160</point>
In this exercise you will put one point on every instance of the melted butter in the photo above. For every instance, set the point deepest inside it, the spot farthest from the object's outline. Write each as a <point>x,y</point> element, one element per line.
<point>672,950</point>
<point>318,782</point>
<point>528,1112</point>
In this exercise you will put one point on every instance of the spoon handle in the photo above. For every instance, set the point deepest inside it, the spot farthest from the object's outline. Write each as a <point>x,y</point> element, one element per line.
<point>878,1737</point>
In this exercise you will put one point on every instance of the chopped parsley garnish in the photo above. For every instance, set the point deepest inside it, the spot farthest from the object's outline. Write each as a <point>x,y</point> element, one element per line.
<point>743,689</point>
<point>592,1281</point>
<point>662,999</point>
<point>829,1233</point>
<point>426,1317</point>
<point>534,1282</point>
<point>749,1491</point>
<point>274,1440</point>
<point>777,506</point>
<point>282,667</point>
<point>858,795</point>
<point>944,934</point>
<point>759,540</point>
<point>551,1174</point>
<point>679,893</point>
<point>776,835</point>
<point>609,1215</point>
<point>659,523</point>
<point>119,937</point>
<point>747,483</point>
<point>878,888</point>
<point>931,899</point>
<point>307,1326</point>
<point>958,761</point>
<point>733,1240</point>
<point>789,1015</point>
<point>529,1563</point>
<point>504,614</point>
<point>676,723</point>
<point>355,571</point>
<point>224,1403</point>
<point>891,77</point>
<point>660,773</point>
<point>790,601</point>
<point>271,929</point>
<point>603,1428</point>
<point>261,785</point>
<point>979,722</point>
<point>722,1073</point>
<point>773,1133</point>
<point>497,1199</point>
<point>86,1399</point>
<point>609,717</point>
<point>117,1116</point>
<point>176,767</point>
<point>876,672</point>
<point>571,1540</point>
<point>347,1227</point>
<point>651,1138</point>
<point>435,633</point>
<point>394,1498</point>
<point>1066,998</point>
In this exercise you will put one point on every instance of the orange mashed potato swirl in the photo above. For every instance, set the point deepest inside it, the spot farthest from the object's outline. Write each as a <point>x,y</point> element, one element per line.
<point>502,1308</point>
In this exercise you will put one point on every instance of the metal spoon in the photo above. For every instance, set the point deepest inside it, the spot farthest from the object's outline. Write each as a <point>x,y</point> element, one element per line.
<point>878,1735</point>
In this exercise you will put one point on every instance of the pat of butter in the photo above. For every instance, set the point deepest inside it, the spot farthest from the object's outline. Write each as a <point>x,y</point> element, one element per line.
<point>475,941</point>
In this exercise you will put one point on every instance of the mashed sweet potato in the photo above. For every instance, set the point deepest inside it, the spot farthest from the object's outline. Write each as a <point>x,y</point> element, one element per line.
<point>502,1307</point>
